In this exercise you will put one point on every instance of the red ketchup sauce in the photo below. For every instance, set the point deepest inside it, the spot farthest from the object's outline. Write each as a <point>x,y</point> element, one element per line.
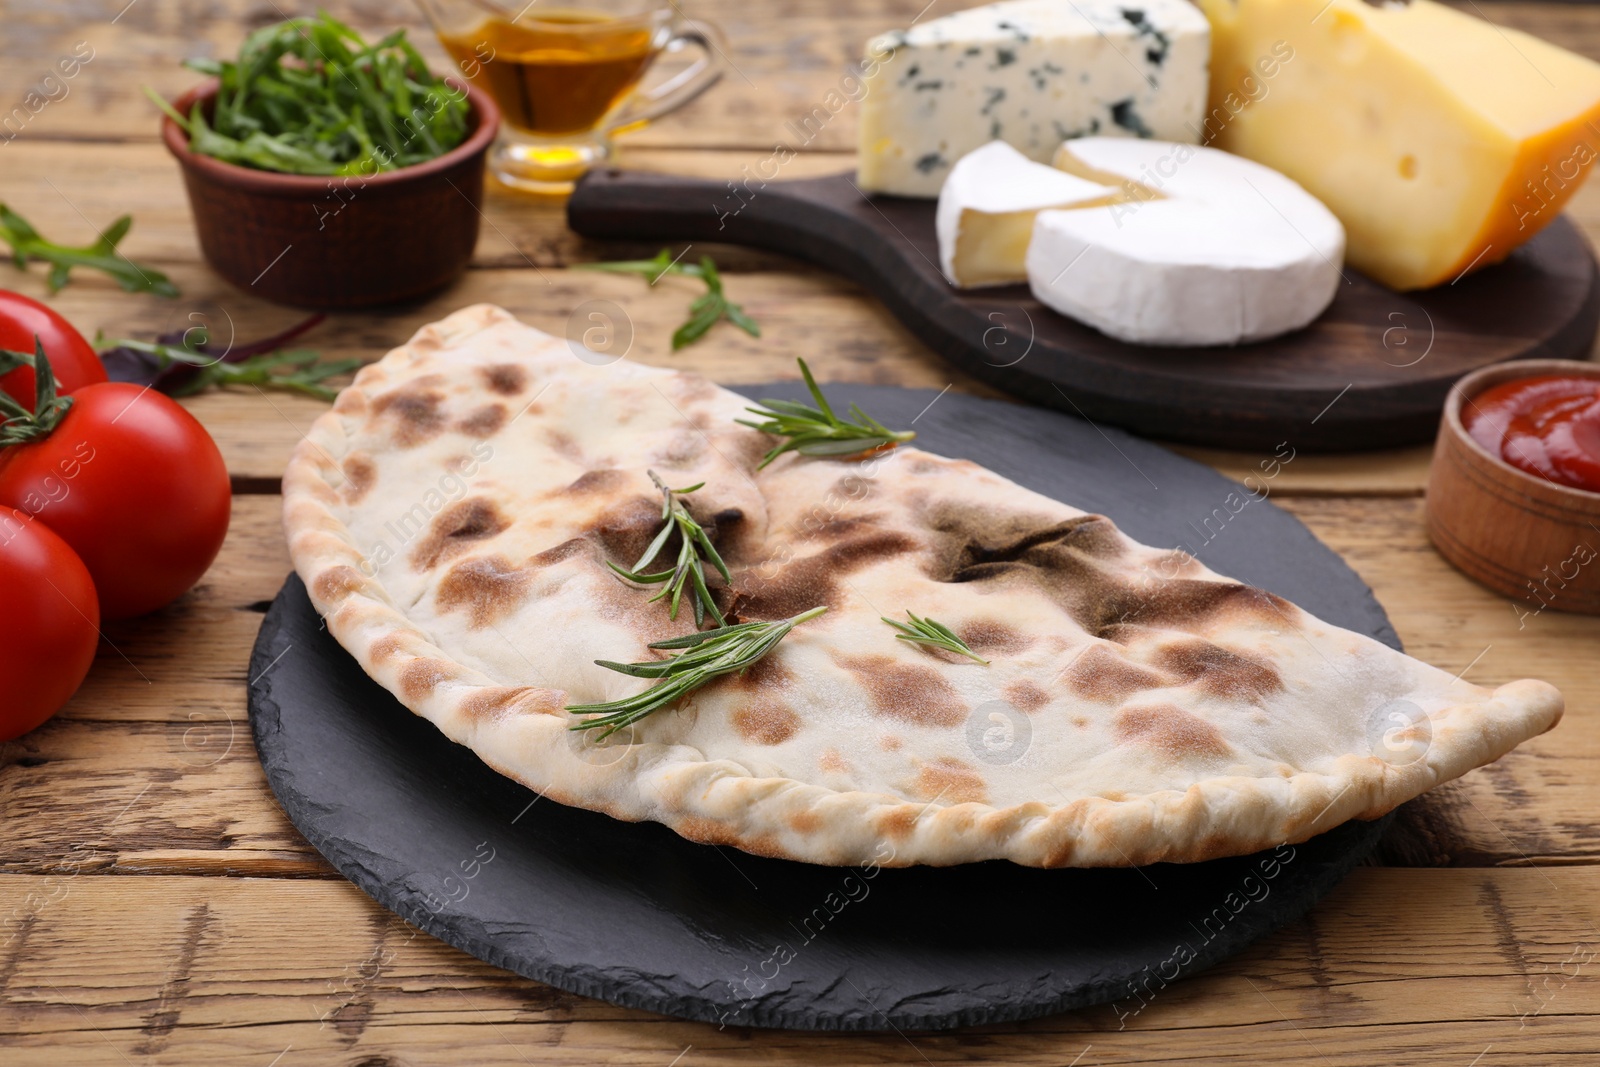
<point>1547,426</point>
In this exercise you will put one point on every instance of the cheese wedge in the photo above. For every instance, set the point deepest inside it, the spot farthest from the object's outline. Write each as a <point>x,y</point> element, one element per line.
<point>986,211</point>
<point>1207,249</point>
<point>1031,73</point>
<point>1441,141</point>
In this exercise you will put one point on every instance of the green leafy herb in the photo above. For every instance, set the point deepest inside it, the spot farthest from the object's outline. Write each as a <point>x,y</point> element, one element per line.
<point>710,654</point>
<point>26,244</point>
<point>706,310</point>
<point>20,425</point>
<point>337,106</point>
<point>928,632</point>
<point>292,370</point>
<point>693,543</point>
<point>817,431</point>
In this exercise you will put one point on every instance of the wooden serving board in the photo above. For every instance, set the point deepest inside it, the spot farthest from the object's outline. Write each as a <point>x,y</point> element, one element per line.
<point>1372,372</point>
<point>634,914</point>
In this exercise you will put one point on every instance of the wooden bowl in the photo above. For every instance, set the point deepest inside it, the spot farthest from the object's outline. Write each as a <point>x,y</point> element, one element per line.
<point>338,242</point>
<point>1535,541</point>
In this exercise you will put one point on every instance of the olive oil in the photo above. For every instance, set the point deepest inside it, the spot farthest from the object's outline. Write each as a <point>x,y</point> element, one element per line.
<point>560,73</point>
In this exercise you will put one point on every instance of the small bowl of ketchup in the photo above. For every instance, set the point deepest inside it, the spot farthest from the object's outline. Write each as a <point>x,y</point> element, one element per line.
<point>1514,490</point>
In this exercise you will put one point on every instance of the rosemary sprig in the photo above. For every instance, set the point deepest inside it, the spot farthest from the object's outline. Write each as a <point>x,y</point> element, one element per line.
<point>708,654</point>
<point>26,244</point>
<point>707,309</point>
<point>693,543</point>
<point>927,632</point>
<point>817,431</point>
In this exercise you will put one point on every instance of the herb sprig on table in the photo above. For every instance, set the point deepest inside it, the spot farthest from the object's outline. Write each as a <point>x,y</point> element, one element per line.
<point>27,244</point>
<point>925,631</point>
<point>817,431</point>
<point>187,362</point>
<point>295,370</point>
<point>708,654</point>
<point>311,96</point>
<point>693,544</point>
<point>707,309</point>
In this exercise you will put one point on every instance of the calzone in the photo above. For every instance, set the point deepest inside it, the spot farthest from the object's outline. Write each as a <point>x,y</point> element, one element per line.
<point>453,516</point>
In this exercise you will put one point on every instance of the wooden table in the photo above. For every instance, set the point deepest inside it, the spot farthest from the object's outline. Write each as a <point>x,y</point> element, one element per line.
<point>157,907</point>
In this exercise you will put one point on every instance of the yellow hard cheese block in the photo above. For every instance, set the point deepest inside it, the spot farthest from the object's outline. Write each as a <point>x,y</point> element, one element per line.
<point>1442,142</point>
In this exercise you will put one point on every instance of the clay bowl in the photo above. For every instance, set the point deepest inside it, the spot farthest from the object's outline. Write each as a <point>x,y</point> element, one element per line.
<point>340,242</point>
<point>1534,541</point>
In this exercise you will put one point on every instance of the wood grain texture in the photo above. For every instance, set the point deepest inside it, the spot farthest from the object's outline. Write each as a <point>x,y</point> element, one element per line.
<point>1396,966</point>
<point>68,187</point>
<point>785,56</point>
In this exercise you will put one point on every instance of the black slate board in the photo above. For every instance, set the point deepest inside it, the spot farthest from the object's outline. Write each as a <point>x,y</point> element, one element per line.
<point>1371,372</point>
<point>634,914</point>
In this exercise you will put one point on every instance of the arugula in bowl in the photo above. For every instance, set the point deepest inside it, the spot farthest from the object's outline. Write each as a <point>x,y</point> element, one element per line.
<point>310,96</point>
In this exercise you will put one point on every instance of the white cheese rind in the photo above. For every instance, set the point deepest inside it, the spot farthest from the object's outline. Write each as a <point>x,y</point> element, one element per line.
<point>1031,73</point>
<point>986,211</point>
<point>1229,251</point>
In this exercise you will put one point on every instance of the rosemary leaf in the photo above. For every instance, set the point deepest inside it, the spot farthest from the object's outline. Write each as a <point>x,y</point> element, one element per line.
<point>708,654</point>
<point>693,546</point>
<point>925,631</point>
<point>817,431</point>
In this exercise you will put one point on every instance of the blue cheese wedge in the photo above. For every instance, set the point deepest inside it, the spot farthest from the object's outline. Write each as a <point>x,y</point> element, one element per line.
<point>1032,73</point>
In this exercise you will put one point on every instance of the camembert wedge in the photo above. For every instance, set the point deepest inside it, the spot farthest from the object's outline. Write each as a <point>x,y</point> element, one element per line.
<point>987,207</point>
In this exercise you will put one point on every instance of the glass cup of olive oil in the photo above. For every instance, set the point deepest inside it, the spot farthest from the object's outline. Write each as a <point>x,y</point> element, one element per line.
<point>567,76</point>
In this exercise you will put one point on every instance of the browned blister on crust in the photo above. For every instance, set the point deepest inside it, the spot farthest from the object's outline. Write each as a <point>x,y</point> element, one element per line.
<point>453,516</point>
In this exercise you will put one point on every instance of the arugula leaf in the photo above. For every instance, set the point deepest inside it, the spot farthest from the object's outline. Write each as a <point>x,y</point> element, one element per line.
<point>27,244</point>
<point>707,309</point>
<point>295,370</point>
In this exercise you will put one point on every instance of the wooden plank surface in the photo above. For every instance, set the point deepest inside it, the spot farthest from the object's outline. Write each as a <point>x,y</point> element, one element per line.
<point>157,907</point>
<point>784,58</point>
<point>1395,966</point>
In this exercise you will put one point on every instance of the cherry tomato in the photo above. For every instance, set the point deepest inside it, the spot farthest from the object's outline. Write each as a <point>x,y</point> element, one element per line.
<point>74,362</point>
<point>50,625</point>
<point>135,485</point>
